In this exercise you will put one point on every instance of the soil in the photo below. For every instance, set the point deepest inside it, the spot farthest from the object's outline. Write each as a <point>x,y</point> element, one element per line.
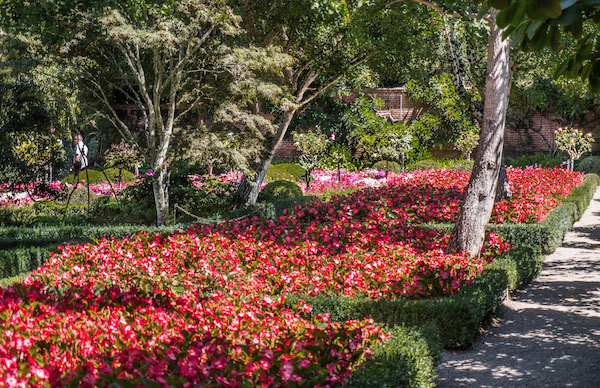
<point>548,334</point>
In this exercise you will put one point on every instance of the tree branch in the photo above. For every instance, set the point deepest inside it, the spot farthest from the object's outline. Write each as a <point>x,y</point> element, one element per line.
<point>436,7</point>
<point>333,82</point>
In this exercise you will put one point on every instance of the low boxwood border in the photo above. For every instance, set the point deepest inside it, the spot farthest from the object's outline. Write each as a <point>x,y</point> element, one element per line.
<point>407,359</point>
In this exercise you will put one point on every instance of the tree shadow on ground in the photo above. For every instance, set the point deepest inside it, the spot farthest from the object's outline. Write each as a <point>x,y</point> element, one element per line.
<point>549,335</point>
<point>536,345</point>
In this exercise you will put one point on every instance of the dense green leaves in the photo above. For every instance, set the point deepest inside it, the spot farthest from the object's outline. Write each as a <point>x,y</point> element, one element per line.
<point>545,22</point>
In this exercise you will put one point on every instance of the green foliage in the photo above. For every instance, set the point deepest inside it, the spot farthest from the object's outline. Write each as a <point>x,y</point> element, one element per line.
<point>122,156</point>
<point>406,359</point>
<point>374,137</point>
<point>113,175</point>
<point>535,24</point>
<point>590,165</point>
<point>281,189</point>
<point>12,280</point>
<point>339,156</point>
<point>456,123</point>
<point>541,159</point>
<point>463,165</point>
<point>313,144</point>
<point>285,171</point>
<point>76,196</point>
<point>18,261</point>
<point>29,146</point>
<point>88,175</point>
<point>39,236</point>
<point>43,213</point>
<point>384,165</point>
<point>426,165</point>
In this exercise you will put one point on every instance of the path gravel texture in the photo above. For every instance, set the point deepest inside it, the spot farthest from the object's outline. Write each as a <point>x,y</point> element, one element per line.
<point>548,335</point>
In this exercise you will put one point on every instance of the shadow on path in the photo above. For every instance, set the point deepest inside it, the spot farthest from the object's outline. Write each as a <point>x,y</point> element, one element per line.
<point>549,334</point>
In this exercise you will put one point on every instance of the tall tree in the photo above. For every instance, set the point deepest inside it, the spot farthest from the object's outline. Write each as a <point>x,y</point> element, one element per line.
<point>168,59</point>
<point>317,34</point>
<point>468,234</point>
<point>481,192</point>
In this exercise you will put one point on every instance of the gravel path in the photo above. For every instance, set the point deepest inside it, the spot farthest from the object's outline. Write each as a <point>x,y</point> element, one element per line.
<point>548,335</point>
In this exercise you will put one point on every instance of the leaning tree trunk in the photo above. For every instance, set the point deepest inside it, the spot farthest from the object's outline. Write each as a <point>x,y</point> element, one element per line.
<point>247,192</point>
<point>469,233</point>
<point>160,187</point>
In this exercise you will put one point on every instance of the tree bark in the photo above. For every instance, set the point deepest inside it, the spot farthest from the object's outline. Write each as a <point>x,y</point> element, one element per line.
<point>469,233</point>
<point>503,190</point>
<point>249,187</point>
<point>160,187</point>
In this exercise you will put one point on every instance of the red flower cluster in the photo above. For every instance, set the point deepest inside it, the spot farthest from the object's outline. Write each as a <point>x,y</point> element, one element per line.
<point>94,337</point>
<point>207,307</point>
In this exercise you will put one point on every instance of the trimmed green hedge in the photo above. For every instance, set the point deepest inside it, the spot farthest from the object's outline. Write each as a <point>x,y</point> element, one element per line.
<point>457,317</point>
<point>280,189</point>
<point>17,261</point>
<point>11,237</point>
<point>549,234</point>
<point>407,359</point>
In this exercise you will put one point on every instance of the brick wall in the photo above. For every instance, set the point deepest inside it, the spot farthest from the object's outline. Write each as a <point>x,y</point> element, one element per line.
<point>539,136</point>
<point>286,151</point>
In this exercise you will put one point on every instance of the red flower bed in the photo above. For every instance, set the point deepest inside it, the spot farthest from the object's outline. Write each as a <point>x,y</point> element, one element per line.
<point>94,337</point>
<point>206,307</point>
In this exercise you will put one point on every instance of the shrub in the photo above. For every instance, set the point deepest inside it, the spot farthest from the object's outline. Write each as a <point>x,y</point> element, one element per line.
<point>77,196</point>
<point>406,359</point>
<point>285,171</point>
<point>113,175</point>
<point>279,190</point>
<point>426,165</point>
<point>541,159</point>
<point>394,167</point>
<point>590,165</point>
<point>17,261</point>
<point>89,175</point>
<point>463,166</point>
<point>12,237</point>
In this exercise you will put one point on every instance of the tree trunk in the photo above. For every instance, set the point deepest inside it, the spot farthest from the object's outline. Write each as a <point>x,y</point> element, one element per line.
<point>469,233</point>
<point>503,190</point>
<point>160,186</point>
<point>249,187</point>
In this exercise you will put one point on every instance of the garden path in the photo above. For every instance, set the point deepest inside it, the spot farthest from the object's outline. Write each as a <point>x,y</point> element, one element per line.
<point>548,335</point>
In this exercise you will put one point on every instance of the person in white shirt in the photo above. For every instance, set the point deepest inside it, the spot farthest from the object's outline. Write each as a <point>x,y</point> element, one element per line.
<point>81,153</point>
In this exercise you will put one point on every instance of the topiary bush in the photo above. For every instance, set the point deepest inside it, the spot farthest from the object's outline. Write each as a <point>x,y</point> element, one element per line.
<point>89,175</point>
<point>279,190</point>
<point>426,165</point>
<point>394,167</point>
<point>406,359</point>
<point>590,165</point>
<point>462,166</point>
<point>285,171</point>
<point>113,175</point>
